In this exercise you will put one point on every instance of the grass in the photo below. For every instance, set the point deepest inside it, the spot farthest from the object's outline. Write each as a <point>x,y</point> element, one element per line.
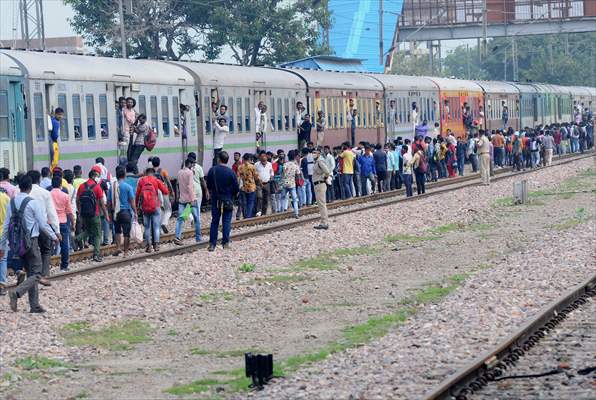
<point>285,278</point>
<point>40,363</point>
<point>330,260</point>
<point>581,216</point>
<point>119,336</point>
<point>312,309</point>
<point>247,267</point>
<point>81,395</point>
<point>235,381</point>
<point>440,230</point>
<point>211,297</point>
<point>409,238</point>
<point>172,332</point>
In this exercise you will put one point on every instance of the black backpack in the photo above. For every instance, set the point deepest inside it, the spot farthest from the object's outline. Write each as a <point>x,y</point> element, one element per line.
<point>88,201</point>
<point>19,238</point>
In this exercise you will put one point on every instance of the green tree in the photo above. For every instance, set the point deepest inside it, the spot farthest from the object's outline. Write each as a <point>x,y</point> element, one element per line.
<point>256,32</point>
<point>409,64</point>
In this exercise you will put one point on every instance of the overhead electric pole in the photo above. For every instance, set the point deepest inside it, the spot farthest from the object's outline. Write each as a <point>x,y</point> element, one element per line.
<point>484,29</point>
<point>32,26</point>
<point>122,35</point>
<point>381,58</point>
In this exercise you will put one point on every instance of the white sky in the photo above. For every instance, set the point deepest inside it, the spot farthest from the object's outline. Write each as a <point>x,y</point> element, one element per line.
<point>56,14</point>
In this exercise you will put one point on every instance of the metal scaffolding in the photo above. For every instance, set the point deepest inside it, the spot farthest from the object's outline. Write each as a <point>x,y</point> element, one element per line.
<point>32,26</point>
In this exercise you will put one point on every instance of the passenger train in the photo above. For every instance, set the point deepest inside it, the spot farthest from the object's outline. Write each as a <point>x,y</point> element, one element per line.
<point>177,98</point>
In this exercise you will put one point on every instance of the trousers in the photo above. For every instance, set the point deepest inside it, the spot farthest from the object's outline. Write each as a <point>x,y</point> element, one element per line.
<point>33,265</point>
<point>320,192</point>
<point>485,168</point>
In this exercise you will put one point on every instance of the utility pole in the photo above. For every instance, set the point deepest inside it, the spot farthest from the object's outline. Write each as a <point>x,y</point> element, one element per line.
<point>122,36</point>
<point>514,58</point>
<point>32,25</point>
<point>381,60</point>
<point>468,58</point>
<point>484,29</point>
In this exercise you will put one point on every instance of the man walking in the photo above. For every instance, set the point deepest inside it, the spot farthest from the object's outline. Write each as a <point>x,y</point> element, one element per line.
<point>187,198</point>
<point>147,198</point>
<point>65,213</point>
<point>223,186</point>
<point>548,142</point>
<point>483,147</point>
<point>30,214</point>
<point>320,177</point>
<point>90,199</point>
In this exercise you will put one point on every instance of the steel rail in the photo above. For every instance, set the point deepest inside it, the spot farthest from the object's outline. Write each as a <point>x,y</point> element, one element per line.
<point>473,377</point>
<point>267,219</point>
<point>455,184</point>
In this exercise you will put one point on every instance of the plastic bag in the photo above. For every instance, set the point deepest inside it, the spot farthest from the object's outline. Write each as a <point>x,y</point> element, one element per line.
<point>186,213</point>
<point>136,233</point>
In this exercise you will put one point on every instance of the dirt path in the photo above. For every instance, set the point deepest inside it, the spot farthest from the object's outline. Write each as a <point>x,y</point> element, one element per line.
<point>303,308</point>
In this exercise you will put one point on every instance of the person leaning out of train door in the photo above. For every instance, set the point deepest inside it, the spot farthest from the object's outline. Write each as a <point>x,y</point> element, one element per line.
<point>129,117</point>
<point>304,132</point>
<point>321,178</point>
<point>221,131</point>
<point>141,129</point>
<point>483,149</point>
<point>321,125</point>
<point>54,136</point>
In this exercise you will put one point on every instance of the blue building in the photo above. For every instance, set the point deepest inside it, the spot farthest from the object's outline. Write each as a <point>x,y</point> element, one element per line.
<point>355,29</point>
<point>328,63</point>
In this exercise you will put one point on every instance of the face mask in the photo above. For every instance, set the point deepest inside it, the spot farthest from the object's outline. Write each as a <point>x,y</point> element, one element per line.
<point>96,179</point>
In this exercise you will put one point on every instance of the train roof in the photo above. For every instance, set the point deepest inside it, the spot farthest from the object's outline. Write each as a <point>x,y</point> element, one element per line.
<point>498,87</point>
<point>337,80</point>
<point>239,76</point>
<point>9,67</point>
<point>403,82</point>
<point>582,91</point>
<point>43,65</point>
<point>525,87</point>
<point>455,84</point>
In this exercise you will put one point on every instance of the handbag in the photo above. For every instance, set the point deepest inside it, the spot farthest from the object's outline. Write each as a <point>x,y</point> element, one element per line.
<point>186,212</point>
<point>136,232</point>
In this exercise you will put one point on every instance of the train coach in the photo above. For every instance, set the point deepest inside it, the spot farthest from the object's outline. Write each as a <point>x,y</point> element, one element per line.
<point>178,97</point>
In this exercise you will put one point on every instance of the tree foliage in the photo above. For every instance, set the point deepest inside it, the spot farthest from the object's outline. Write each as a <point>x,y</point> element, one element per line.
<point>256,31</point>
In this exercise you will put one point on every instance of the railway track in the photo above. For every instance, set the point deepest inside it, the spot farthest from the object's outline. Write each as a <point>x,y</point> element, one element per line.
<point>309,215</point>
<point>479,375</point>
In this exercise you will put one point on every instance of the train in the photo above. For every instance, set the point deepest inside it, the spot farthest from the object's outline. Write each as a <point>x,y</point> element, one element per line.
<point>177,97</point>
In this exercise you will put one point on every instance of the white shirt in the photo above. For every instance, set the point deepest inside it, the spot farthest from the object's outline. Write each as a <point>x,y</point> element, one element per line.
<point>330,160</point>
<point>45,199</point>
<point>407,157</point>
<point>265,171</point>
<point>219,136</point>
<point>197,175</point>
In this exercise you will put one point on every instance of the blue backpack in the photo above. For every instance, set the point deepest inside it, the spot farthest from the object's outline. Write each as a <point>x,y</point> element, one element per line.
<point>19,238</point>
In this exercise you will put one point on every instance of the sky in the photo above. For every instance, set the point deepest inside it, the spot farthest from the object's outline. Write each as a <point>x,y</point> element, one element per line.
<point>56,15</point>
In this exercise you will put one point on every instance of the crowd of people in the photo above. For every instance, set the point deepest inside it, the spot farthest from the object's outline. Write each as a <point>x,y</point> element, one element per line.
<point>55,211</point>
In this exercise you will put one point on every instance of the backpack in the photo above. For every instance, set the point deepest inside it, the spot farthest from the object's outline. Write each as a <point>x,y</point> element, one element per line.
<point>88,201</point>
<point>422,164</point>
<point>149,198</point>
<point>19,238</point>
<point>150,139</point>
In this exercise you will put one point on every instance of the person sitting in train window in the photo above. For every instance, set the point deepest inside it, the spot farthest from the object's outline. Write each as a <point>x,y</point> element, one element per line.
<point>141,129</point>
<point>54,135</point>
<point>120,106</point>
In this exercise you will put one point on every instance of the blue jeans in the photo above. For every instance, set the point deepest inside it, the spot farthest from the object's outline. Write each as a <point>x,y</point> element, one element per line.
<point>443,168</point>
<point>301,193</point>
<point>152,224</point>
<point>308,189</point>
<point>346,183</point>
<point>461,166</point>
<point>64,244</point>
<point>474,162</point>
<point>535,158</point>
<point>105,230</point>
<point>408,183</point>
<point>284,196</point>
<point>250,199</point>
<point>3,266</point>
<point>226,217</point>
<point>195,215</point>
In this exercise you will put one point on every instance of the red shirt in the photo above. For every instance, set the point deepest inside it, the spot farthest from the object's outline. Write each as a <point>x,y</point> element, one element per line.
<point>97,190</point>
<point>157,184</point>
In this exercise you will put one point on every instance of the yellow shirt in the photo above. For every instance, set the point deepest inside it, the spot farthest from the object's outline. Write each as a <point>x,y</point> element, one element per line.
<point>4,200</point>
<point>348,157</point>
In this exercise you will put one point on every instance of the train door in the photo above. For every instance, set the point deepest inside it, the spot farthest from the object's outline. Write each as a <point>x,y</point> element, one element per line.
<point>263,124</point>
<point>12,126</point>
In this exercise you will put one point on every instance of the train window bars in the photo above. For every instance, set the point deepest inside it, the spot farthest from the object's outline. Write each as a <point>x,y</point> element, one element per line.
<point>4,133</point>
<point>38,112</point>
<point>103,117</point>
<point>76,117</point>
<point>62,103</point>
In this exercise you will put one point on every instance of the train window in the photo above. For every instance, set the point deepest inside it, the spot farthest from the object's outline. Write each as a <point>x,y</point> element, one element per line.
<point>279,115</point>
<point>335,112</point>
<point>176,114</point>
<point>103,116</point>
<point>38,109</point>
<point>207,115</point>
<point>239,113</point>
<point>329,114</point>
<point>165,115</point>
<point>153,109</point>
<point>90,110</point>
<point>341,111</point>
<point>247,114</point>
<point>428,110</point>
<point>4,134</point>
<point>64,121</point>
<point>76,117</point>
<point>272,112</point>
<point>293,116</point>
<point>142,105</point>
<point>230,114</point>
<point>287,114</point>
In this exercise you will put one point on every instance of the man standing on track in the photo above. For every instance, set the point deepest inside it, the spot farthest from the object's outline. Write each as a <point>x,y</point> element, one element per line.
<point>34,220</point>
<point>90,198</point>
<point>321,173</point>
<point>483,147</point>
<point>147,198</point>
<point>223,185</point>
